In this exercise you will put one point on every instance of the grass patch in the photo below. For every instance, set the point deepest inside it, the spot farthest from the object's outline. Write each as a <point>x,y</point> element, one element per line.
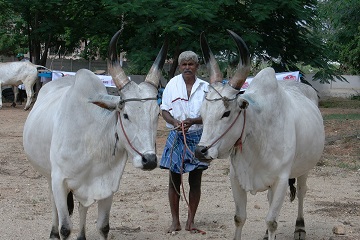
<point>351,103</point>
<point>355,97</point>
<point>350,166</point>
<point>350,116</point>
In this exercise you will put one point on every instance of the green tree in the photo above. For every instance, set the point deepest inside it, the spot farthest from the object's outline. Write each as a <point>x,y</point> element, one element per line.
<point>11,39</point>
<point>147,22</point>
<point>279,33</point>
<point>341,32</point>
<point>58,24</point>
<point>34,24</point>
<point>90,22</point>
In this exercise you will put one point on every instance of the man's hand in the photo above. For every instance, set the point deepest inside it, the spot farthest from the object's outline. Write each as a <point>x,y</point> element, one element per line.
<point>187,123</point>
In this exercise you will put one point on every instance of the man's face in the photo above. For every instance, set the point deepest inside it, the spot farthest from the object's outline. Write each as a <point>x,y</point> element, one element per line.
<point>188,68</point>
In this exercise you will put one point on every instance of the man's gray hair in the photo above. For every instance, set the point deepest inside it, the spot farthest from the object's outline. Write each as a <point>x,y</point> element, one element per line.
<point>188,55</point>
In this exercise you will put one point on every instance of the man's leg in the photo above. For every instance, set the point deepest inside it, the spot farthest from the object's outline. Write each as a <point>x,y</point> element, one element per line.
<point>194,197</point>
<point>174,198</point>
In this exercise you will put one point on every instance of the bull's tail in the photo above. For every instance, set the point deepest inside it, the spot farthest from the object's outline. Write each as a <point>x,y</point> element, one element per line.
<point>70,203</point>
<point>292,189</point>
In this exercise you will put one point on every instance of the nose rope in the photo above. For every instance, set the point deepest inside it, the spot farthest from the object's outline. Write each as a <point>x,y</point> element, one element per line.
<point>231,125</point>
<point>226,104</point>
<point>182,158</point>
<point>122,126</point>
<point>136,100</point>
<point>239,142</point>
<point>127,138</point>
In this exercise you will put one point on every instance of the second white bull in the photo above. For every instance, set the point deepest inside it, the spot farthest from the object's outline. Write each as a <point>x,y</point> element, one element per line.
<point>16,73</point>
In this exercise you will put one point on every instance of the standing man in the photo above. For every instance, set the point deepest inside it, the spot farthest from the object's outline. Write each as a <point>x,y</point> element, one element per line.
<point>181,102</point>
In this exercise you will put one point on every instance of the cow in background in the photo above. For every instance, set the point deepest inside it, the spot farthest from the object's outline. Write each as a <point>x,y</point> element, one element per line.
<point>17,73</point>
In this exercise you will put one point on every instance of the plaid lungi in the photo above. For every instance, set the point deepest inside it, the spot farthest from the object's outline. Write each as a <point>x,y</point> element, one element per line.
<point>173,156</point>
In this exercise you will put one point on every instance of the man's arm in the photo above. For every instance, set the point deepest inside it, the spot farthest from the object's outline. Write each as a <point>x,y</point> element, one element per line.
<point>169,119</point>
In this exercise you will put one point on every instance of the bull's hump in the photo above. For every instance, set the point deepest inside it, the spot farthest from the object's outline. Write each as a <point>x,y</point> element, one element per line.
<point>265,80</point>
<point>87,82</point>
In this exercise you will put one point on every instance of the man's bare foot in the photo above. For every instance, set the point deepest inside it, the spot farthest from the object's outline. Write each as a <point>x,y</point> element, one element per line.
<point>174,227</point>
<point>192,229</point>
<point>189,226</point>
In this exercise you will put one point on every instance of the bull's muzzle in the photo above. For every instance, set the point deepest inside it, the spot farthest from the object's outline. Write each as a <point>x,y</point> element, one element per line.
<point>201,152</point>
<point>149,161</point>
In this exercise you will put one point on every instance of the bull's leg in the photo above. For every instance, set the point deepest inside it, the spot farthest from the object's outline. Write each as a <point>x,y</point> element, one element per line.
<point>82,222</point>
<point>0,96</point>
<point>300,232</point>
<point>269,195</point>
<point>276,198</point>
<point>60,198</point>
<point>54,234</point>
<point>16,94</point>
<point>103,226</point>
<point>240,199</point>
<point>29,93</point>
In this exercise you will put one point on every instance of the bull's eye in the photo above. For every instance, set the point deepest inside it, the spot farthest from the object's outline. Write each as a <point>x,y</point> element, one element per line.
<point>226,114</point>
<point>126,116</point>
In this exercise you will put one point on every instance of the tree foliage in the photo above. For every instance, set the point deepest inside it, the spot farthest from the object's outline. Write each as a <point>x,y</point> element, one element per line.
<point>279,33</point>
<point>10,34</point>
<point>341,31</point>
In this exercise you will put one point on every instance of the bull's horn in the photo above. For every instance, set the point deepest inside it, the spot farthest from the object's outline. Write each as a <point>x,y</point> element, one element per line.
<point>243,67</point>
<point>115,70</point>
<point>154,74</point>
<point>211,63</point>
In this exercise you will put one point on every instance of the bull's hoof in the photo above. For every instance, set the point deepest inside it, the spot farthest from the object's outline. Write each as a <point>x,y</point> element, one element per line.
<point>64,232</point>
<point>299,234</point>
<point>13,104</point>
<point>54,234</point>
<point>266,236</point>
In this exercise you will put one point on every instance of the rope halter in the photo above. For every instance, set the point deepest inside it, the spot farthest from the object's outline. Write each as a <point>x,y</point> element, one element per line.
<point>226,102</point>
<point>121,103</point>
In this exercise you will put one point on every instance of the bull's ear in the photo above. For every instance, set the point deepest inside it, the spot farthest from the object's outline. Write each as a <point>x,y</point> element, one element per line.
<point>243,104</point>
<point>101,104</point>
<point>105,101</point>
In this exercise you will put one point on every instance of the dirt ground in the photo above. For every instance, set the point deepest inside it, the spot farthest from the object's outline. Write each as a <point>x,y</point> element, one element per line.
<point>141,210</point>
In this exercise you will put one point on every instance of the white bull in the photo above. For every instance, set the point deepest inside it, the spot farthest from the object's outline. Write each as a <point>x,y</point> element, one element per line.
<point>80,138</point>
<point>16,73</point>
<point>273,133</point>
